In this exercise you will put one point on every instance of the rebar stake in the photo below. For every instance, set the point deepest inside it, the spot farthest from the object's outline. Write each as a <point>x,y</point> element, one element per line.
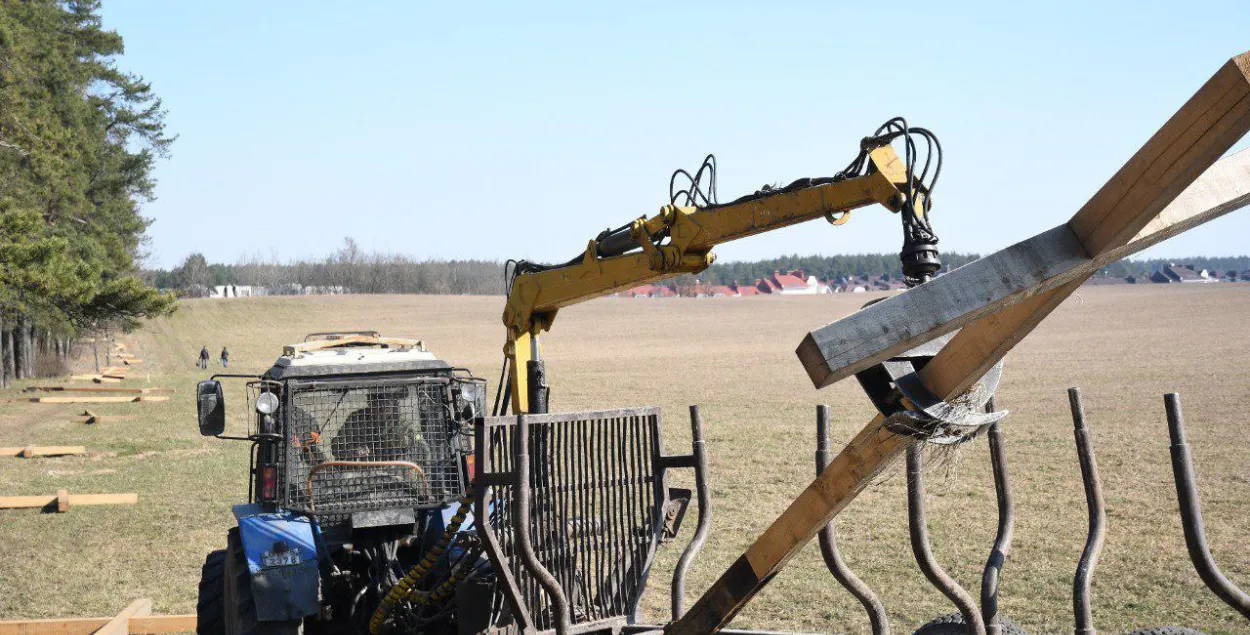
<point>1006,524</point>
<point>1097,518</point>
<point>829,540</point>
<point>917,524</point>
<point>699,452</point>
<point>1191,513</point>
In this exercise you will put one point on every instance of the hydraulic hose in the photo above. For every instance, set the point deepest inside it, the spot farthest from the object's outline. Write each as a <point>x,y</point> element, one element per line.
<point>408,584</point>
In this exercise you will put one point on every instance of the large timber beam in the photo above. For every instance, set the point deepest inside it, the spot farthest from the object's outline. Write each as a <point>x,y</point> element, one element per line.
<point>1189,143</point>
<point>1048,260</point>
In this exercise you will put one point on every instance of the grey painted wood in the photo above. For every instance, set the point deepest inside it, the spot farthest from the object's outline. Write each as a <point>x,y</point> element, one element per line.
<point>1054,257</point>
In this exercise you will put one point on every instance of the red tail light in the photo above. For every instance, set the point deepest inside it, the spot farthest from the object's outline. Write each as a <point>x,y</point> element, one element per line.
<point>269,483</point>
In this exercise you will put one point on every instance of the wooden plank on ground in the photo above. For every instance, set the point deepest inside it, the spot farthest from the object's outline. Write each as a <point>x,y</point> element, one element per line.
<point>43,450</point>
<point>1204,128</point>
<point>120,625</point>
<point>1050,259</point>
<point>29,502</point>
<point>102,389</point>
<point>146,625</point>
<point>153,624</point>
<point>71,626</point>
<point>94,399</point>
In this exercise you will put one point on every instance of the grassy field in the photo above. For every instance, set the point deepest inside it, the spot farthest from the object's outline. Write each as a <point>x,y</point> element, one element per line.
<point>1125,346</point>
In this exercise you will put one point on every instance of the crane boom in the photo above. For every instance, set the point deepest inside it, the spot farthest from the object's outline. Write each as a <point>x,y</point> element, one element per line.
<point>638,254</point>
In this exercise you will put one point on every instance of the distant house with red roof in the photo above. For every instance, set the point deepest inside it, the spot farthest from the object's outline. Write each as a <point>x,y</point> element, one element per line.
<point>791,283</point>
<point>742,290</point>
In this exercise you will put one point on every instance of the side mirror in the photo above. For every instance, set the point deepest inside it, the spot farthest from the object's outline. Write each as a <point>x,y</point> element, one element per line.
<point>210,407</point>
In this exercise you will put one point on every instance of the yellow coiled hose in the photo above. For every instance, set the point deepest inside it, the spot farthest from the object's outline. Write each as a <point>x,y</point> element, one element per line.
<point>410,580</point>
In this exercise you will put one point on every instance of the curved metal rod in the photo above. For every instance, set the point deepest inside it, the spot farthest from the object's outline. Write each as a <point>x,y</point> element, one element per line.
<point>1191,513</point>
<point>1097,518</point>
<point>704,496</point>
<point>521,529</point>
<point>829,540</point>
<point>1006,525</point>
<point>917,524</point>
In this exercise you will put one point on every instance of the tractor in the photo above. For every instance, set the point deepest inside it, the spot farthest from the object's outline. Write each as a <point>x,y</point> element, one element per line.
<point>381,499</point>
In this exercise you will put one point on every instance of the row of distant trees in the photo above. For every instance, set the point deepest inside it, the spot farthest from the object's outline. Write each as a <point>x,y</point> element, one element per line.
<point>351,270</point>
<point>347,270</point>
<point>78,139</point>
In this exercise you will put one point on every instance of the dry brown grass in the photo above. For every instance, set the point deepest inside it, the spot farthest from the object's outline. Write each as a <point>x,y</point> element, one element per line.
<point>1124,346</point>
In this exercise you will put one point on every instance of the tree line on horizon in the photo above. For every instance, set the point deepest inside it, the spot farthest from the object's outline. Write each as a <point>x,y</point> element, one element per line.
<point>78,140</point>
<point>349,269</point>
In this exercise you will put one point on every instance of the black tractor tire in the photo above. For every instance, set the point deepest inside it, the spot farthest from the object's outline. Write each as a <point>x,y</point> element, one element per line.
<point>1167,630</point>
<point>239,603</point>
<point>953,624</point>
<point>210,609</point>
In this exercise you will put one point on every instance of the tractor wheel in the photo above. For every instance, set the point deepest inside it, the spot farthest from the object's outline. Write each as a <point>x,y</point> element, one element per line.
<point>209,611</point>
<point>1167,630</point>
<point>953,624</point>
<point>239,604</point>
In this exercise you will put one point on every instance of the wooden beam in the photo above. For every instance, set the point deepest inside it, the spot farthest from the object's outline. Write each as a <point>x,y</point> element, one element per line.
<point>148,625</point>
<point>1205,127</point>
<point>43,450</point>
<point>352,340</point>
<point>90,399</point>
<point>30,502</point>
<point>986,286</point>
<point>161,624</point>
<point>102,389</point>
<point>120,625</point>
<point>71,626</point>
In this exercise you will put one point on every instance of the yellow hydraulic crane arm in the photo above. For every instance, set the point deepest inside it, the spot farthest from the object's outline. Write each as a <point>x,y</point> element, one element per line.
<point>639,254</point>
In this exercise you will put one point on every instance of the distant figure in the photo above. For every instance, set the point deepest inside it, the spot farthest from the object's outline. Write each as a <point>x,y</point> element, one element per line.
<point>204,357</point>
<point>225,357</point>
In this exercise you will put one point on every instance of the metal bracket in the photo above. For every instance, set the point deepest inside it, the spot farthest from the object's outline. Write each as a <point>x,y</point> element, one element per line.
<point>911,409</point>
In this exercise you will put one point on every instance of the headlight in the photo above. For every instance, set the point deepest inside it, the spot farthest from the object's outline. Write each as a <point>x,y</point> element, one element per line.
<point>266,403</point>
<point>468,400</point>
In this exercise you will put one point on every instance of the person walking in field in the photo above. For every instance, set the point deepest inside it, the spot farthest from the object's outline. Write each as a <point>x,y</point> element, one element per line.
<point>204,357</point>
<point>225,357</point>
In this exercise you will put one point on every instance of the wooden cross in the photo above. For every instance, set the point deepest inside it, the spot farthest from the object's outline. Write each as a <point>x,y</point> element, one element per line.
<point>996,302</point>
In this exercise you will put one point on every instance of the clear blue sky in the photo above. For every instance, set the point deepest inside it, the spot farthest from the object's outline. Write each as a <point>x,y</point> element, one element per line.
<point>449,130</point>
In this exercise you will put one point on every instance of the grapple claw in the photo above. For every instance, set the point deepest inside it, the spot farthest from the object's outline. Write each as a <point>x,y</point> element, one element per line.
<point>910,408</point>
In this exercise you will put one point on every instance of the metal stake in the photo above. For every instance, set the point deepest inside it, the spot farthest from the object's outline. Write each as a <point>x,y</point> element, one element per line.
<point>1097,518</point>
<point>1006,523</point>
<point>920,547</point>
<point>829,540</point>
<point>705,514</point>
<point>1191,513</point>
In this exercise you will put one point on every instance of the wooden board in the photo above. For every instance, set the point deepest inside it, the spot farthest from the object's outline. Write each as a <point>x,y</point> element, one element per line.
<point>31,451</point>
<point>148,625</point>
<point>102,389</point>
<point>351,340</point>
<point>89,399</point>
<point>71,500</point>
<point>120,625</point>
<point>1205,127</point>
<point>1050,259</point>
